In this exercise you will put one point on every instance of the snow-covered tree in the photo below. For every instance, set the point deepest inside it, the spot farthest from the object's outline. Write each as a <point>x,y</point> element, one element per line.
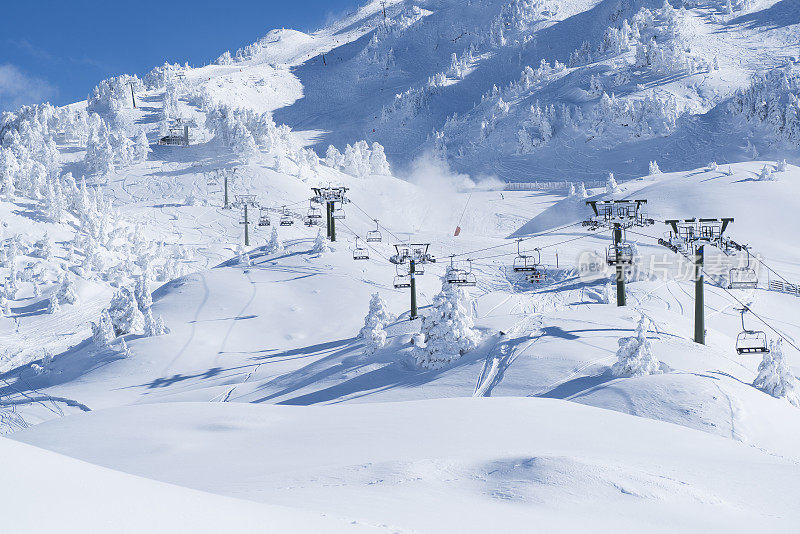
<point>125,314</point>
<point>66,293</point>
<point>103,331</point>
<point>766,174</point>
<point>377,160</point>
<point>712,166</point>
<point>782,165</point>
<point>653,170</point>
<point>275,244</point>
<point>320,244</point>
<point>611,184</point>
<point>99,156</point>
<point>225,58</point>
<point>141,147</point>
<point>581,192</point>
<point>333,158</point>
<point>378,314</point>
<point>143,292</point>
<point>448,330</point>
<point>52,304</point>
<point>375,339</point>
<point>153,326</point>
<point>634,356</point>
<point>124,351</point>
<point>774,376</point>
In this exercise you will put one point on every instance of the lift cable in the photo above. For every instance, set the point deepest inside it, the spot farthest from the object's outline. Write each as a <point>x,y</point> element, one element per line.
<point>734,297</point>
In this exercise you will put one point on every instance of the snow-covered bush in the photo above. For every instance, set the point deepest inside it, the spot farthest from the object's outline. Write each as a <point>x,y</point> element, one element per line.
<point>275,244</point>
<point>774,376</point>
<point>448,330</point>
<point>377,316</point>
<point>125,314</point>
<point>320,244</point>
<point>634,356</point>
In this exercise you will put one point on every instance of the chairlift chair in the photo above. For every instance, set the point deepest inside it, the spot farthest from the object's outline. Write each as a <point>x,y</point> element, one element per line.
<point>338,213</point>
<point>309,221</point>
<point>374,236</point>
<point>537,276</point>
<point>360,253</point>
<point>314,212</point>
<point>286,218</point>
<point>401,282</point>
<point>526,263</point>
<point>619,254</point>
<point>751,341</point>
<point>263,217</point>
<point>743,277</point>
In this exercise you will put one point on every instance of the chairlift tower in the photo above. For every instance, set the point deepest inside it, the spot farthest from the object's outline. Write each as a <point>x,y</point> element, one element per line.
<point>331,196</point>
<point>133,96</point>
<point>693,235</point>
<point>244,202</point>
<point>413,256</point>
<point>618,215</point>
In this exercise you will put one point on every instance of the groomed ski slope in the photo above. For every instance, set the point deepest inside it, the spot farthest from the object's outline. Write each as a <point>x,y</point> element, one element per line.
<point>262,395</point>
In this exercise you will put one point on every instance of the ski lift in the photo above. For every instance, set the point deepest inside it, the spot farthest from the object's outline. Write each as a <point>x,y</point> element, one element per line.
<point>619,254</point>
<point>460,277</point>
<point>750,341</point>
<point>313,211</point>
<point>338,213</point>
<point>286,218</point>
<point>743,277</point>
<point>263,217</point>
<point>402,278</point>
<point>309,221</point>
<point>360,253</point>
<point>524,262</point>
<point>374,236</point>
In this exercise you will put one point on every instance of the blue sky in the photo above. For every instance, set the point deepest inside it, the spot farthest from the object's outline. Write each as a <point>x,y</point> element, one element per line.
<point>58,50</point>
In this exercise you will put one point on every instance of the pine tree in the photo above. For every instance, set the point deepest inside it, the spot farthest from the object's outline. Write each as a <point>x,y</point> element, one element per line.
<point>448,331</point>
<point>275,244</point>
<point>320,244</point>
<point>635,356</point>
<point>141,148</point>
<point>103,331</point>
<point>143,292</point>
<point>153,326</point>
<point>611,184</point>
<point>378,314</point>
<point>66,291</point>
<point>654,169</point>
<point>125,314</point>
<point>774,376</point>
<point>52,304</point>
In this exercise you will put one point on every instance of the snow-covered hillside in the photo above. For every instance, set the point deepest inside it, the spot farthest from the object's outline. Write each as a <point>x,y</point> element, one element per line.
<point>141,335</point>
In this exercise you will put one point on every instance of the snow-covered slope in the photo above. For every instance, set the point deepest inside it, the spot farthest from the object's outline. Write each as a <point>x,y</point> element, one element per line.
<point>53,493</point>
<point>138,332</point>
<point>461,465</point>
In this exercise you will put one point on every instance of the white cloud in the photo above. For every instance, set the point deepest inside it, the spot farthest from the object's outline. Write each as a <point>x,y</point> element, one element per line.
<point>18,89</point>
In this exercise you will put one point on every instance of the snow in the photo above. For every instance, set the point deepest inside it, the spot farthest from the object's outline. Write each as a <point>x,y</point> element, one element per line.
<point>502,464</point>
<point>250,387</point>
